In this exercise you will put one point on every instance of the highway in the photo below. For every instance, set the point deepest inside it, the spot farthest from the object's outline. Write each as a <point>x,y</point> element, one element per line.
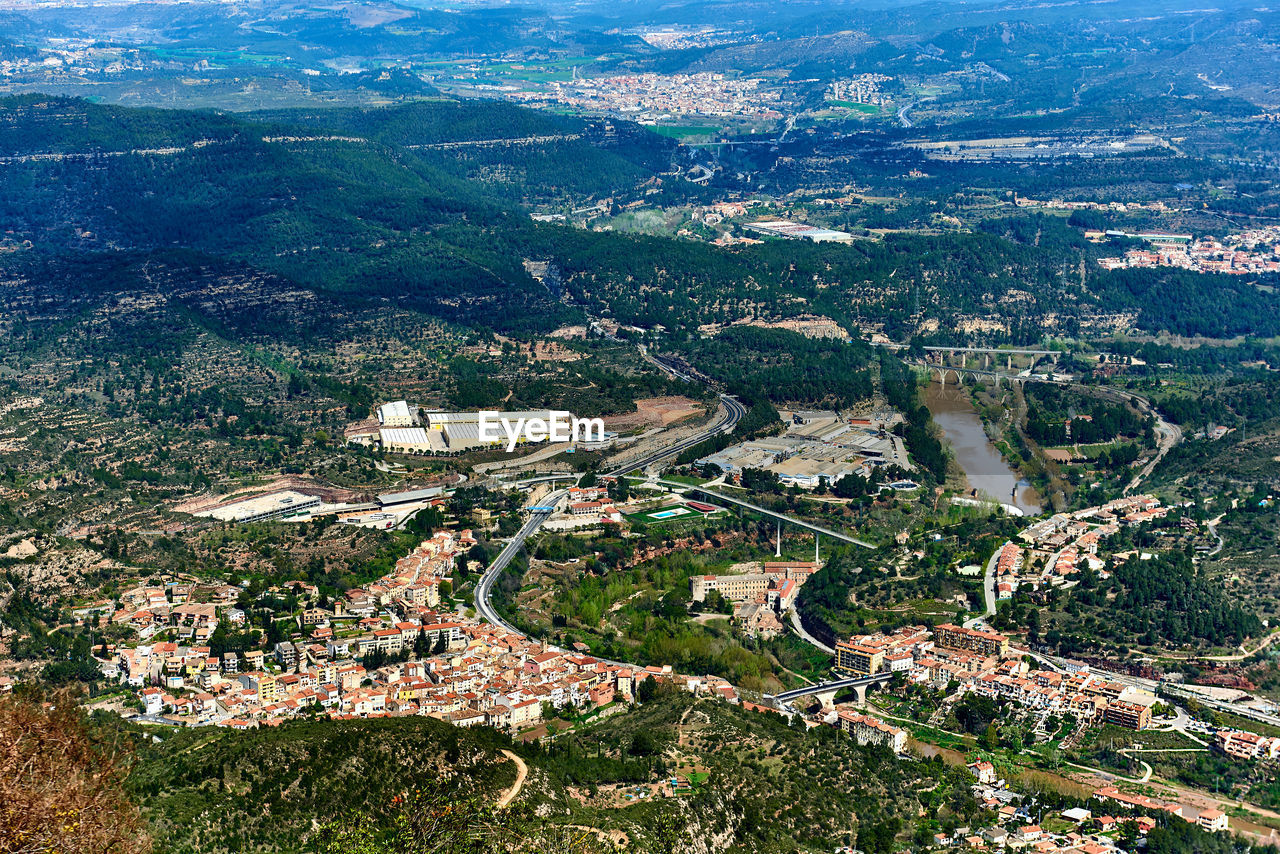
<point>902,114</point>
<point>733,414</point>
<point>1176,690</point>
<point>484,587</point>
<point>988,592</point>
<point>734,411</point>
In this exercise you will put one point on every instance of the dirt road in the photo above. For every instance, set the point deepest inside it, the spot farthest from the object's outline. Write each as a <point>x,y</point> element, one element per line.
<point>522,771</point>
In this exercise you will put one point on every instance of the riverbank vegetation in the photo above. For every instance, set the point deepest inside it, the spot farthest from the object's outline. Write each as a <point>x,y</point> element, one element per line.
<point>1076,445</point>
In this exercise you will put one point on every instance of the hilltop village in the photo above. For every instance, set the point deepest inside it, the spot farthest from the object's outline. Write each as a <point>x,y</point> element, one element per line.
<point>1249,252</point>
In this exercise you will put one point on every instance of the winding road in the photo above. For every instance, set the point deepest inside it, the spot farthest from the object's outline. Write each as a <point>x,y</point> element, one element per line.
<point>1167,435</point>
<point>805,636</point>
<point>484,587</point>
<point>988,591</point>
<point>733,414</point>
<point>541,512</point>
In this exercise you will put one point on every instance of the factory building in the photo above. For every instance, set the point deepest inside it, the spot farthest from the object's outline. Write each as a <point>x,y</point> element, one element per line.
<point>398,413</point>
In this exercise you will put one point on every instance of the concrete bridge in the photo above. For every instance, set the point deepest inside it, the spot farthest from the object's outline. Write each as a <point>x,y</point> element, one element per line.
<point>998,351</point>
<point>994,351</point>
<point>826,691</point>
<point>941,359</point>
<point>962,374</point>
<point>943,371</point>
<point>990,358</point>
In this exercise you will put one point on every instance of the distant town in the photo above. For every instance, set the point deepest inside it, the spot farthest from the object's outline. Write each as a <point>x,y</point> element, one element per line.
<point>649,97</point>
<point>1253,251</point>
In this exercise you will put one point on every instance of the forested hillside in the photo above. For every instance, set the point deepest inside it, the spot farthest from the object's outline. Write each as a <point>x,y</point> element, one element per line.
<point>817,787</point>
<point>418,205</point>
<point>785,366</point>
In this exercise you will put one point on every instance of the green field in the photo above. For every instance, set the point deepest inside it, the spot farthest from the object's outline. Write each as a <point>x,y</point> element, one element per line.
<point>684,131</point>
<point>652,516</point>
<point>869,109</point>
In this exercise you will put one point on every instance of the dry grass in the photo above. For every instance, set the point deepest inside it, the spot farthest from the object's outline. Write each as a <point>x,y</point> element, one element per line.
<point>60,787</point>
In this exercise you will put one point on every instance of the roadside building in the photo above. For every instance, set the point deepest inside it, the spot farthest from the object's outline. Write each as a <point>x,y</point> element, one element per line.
<point>858,660</point>
<point>1247,745</point>
<point>951,636</point>
<point>1130,715</point>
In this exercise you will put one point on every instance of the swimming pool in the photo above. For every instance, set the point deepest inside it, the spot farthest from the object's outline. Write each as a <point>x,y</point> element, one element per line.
<point>669,514</point>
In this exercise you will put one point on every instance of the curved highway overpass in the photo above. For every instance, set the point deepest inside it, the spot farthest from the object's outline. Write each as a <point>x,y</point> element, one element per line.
<point>484,587</point>
<point>772,514</point>
<point>857,683</point>
<point>733,414</point>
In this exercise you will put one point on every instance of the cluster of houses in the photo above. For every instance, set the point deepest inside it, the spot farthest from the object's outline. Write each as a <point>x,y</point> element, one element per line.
<point>149,610</point>
<point>382,649</point>
<point>650,95</point>
<point>1247,745</point>
<point>1058,547</point>
<point>981,662</point>
<point>1254,251</point>
<point>483,676</point>
<point>1080,830</point>
<point>1210,819</point>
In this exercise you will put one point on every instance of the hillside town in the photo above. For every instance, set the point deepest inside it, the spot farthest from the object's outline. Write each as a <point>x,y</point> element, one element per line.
<point>971,661</point>
<point>982,662</point>
<point>397,647</point>
<point>860,89</point>
<point>1055,549</point>
<point>1253,251</point>
<point>386,648</point>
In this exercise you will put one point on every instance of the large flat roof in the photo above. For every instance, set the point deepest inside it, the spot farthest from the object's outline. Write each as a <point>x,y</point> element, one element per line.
<point>259,504</point>
<point>403,436</point>
<point>394,409</point>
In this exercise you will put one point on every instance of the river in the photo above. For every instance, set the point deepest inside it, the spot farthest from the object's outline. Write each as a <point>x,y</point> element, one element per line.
<point>985,469</point>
